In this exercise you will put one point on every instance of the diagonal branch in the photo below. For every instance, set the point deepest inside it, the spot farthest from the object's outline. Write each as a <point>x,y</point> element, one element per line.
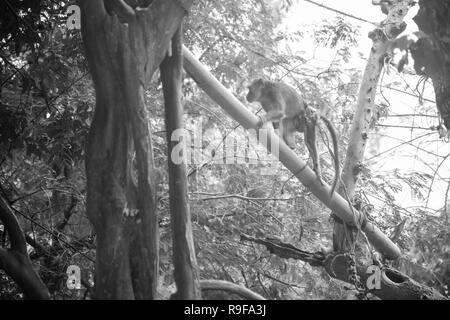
<point>11,223</point>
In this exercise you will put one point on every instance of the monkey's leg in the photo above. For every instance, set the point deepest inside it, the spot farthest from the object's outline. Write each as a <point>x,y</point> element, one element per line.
<point>280,128</point>
<point>271,116</point>
<point>310,140</point>
<point>299,123</point>
<point>276,125</point>
<point>287,132</point>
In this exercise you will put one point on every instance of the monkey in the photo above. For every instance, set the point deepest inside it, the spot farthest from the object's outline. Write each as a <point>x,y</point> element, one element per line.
<point>284,105</point>
<point>281,103</point>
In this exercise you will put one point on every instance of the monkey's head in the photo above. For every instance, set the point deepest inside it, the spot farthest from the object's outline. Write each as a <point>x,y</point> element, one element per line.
<point>255,90</point>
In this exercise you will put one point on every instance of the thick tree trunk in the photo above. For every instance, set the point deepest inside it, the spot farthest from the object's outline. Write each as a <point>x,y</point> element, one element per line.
<point>186,271</point>
<point>121,197</point>
<point>432,53</point>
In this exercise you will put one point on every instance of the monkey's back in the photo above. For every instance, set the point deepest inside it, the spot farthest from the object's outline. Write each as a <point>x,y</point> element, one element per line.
<point>294,103</point>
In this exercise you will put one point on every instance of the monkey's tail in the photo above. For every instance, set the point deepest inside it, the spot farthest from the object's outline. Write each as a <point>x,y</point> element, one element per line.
<point>335,156</point>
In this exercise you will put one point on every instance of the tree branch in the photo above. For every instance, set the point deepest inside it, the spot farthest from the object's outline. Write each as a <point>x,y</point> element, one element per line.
<point>12,226</point>
<point>230,287</point>
<point>394,285</point>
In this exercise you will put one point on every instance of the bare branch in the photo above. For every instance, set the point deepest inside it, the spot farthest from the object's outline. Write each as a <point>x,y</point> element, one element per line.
<point>230,287</point>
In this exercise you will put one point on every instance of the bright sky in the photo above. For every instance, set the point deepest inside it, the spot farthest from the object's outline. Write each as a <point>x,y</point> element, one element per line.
<point>306,13</point>
<point>406,158</point>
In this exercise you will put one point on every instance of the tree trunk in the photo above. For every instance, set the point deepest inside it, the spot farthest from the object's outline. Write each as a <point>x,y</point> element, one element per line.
<point>391,27</point>
<point>186,271</point>
<point>432,54</point>
<point>124,46</point>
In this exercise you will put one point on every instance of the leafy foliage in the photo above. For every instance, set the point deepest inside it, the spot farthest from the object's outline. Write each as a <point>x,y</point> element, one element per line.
<point>46,107</point>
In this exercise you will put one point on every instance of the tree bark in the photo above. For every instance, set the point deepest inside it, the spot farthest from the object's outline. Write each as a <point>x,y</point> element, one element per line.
<point>186,271</point>
<point>343,235</point>
<point>432,53</point>
<point>124,46</point>
<point>15,261</point>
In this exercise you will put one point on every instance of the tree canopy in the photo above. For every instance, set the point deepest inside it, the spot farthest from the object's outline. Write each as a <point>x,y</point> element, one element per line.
<point>239,209</point>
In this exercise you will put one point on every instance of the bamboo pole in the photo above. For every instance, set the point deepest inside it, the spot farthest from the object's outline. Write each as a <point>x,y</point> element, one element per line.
<point>217,92</point>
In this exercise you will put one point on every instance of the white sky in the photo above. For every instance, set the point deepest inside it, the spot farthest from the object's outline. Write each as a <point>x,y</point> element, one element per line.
<point>407,158</point>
